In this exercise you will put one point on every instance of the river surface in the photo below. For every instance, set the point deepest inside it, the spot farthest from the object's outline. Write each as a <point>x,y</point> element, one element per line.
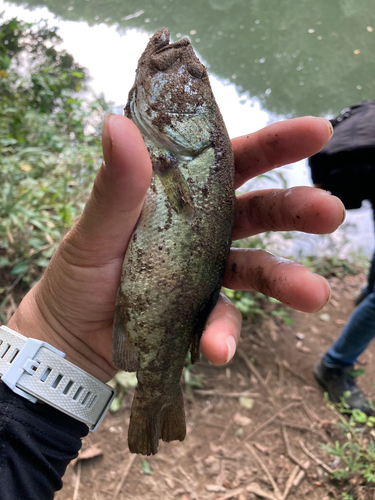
<point>268,60</point>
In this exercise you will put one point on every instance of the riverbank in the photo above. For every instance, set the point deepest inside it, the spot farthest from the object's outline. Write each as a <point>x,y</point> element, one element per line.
<point>254,430</point>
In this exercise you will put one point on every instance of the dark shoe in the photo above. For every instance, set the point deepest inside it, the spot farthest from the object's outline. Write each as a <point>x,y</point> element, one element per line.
<point>339,383</point>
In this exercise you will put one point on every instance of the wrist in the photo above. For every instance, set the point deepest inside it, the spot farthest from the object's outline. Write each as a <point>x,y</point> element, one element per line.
<point>34,319</point>
<point>38,372</point>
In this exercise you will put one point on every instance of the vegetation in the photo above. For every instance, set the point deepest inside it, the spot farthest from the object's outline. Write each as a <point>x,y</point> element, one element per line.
<point>355,453</point>
<point>50,148</point>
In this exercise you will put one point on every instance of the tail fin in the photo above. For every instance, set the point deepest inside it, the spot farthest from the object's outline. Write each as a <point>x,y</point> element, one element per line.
<point>149,423</point>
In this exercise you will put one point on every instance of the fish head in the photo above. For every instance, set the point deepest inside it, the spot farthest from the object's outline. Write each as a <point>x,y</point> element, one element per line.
<point>171,99</point>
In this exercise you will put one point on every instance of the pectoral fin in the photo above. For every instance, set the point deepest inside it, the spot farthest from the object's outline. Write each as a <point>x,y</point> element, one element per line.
<point>124,351</point>
<point>176,187</point>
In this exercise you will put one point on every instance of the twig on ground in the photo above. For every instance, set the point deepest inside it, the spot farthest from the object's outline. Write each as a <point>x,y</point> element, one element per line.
<point>268,377</point>
<point>266,471</point>
<point>288,449</point>
<point>257,490</point>
<point>250,366</point>
<point>299,478</point>
<point>290,481</point>
<point>244,394</point>
<point>124,476</point>
<point>281,371</point>
<point>227,427</point>
<point>262,426</point>
<point>214,424</point>
<point>312,416</point>
<point>173,478</point>
<point>316,459</point>
<point>286,365</point>
<point>282,362</point>
<point>231,494</point>
<point>181,470</point>
<point>309,429</point>
<point>78,481</point>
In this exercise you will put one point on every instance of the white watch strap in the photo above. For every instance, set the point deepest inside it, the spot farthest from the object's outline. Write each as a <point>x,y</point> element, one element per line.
<point>37,371</point>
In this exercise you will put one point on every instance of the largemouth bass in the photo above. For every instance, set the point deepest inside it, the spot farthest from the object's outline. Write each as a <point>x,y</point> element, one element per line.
<point>174,263</point>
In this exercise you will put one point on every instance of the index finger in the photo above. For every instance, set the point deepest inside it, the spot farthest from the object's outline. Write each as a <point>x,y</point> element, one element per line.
<point>279,144</point>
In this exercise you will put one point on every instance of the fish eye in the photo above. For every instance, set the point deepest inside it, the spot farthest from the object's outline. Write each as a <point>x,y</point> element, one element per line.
<point>196,69</point>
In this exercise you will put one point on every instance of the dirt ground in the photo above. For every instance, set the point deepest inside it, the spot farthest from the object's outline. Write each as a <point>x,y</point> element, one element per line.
<point>232,451</point>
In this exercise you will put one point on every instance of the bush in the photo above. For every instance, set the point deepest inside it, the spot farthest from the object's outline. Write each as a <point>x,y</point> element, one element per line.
<point>50,148</point>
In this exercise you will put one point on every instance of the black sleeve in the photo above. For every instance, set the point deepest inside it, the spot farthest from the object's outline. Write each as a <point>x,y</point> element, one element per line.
<point>36,444</point>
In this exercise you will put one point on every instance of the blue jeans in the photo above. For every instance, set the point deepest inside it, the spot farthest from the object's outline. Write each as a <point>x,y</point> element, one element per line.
<point>355,336</point>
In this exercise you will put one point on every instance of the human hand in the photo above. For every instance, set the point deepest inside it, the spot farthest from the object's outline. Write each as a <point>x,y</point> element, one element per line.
<point>72,306</point>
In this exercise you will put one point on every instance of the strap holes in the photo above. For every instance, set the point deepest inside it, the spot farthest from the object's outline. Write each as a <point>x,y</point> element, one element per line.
<point>68,387</point>
<point>78,392</point>
<point>45,374</point>
<point>11,359</point>
<point>4,351</point>
<point>92,402</point>
<point>84,400</point>
<point>57,380</point>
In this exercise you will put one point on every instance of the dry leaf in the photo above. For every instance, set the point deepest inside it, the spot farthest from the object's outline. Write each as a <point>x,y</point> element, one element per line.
<point>170,482</point>
<point>325,317</point>
<point>334,303</point>
<point>340,322</point>
<point>91,452</point>
<point>215,488</point>
<point>241,420</point>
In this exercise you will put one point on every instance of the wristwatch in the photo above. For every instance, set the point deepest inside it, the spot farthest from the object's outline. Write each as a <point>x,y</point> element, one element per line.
<point>38,371</point>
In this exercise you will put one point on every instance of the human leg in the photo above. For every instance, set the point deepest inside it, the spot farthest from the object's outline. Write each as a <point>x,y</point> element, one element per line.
<point>333,372</point>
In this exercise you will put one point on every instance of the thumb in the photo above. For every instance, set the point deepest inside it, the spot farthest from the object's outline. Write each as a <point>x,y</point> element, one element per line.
<point>116,200</point>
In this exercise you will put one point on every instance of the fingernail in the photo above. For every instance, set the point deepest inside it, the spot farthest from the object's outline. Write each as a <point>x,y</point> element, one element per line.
<point>106,140</point>
<point>231,344</point>
<point>329,125</point>
<point>321,279</point>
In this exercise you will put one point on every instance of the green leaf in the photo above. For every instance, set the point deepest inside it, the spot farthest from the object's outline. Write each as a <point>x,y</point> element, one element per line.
<point>357,372</point>
<point>4,262</point>
<point>146,468</point>
<point>77,74</point>
<point>247,403</point>
<point>359,416</point>
<point>20,268</point>
<point>116,403</point>
<point>42,262</point>
<point>35,243</point>
<point>126,379</point>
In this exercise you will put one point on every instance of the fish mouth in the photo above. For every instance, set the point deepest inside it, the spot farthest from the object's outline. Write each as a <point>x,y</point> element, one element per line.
<point>162,41</point>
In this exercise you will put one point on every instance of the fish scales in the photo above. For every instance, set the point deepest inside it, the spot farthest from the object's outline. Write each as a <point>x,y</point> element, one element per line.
<point>175,260</point>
